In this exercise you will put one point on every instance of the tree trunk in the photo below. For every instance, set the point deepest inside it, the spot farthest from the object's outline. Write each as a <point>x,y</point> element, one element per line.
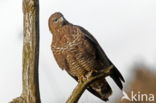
<point>30,93</point>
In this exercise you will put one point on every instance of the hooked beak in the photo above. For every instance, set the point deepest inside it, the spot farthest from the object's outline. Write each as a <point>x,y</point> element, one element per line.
<point>61,19</point>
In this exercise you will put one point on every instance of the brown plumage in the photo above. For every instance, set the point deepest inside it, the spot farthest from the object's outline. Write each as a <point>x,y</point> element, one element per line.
<point>78,52</point>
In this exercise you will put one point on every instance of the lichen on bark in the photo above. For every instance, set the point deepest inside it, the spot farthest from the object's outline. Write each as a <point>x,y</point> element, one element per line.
<point>30,92</point>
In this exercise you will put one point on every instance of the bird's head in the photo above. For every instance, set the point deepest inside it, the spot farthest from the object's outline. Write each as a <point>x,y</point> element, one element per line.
<point>56,21</point>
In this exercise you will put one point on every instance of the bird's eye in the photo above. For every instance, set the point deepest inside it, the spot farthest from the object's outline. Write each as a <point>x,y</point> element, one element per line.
<point>55,20</point>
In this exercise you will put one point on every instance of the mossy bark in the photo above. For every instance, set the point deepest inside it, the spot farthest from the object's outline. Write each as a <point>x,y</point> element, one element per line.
<point>30,92</point>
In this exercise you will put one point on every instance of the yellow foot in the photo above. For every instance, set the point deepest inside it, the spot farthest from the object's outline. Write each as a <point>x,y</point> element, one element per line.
<point>81,79</point>
<point>89,74</point>
<point>85,77</point>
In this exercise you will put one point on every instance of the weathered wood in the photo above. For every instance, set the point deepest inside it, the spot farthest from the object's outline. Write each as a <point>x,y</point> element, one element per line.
<point>80,88</point>
<point>30,93</point>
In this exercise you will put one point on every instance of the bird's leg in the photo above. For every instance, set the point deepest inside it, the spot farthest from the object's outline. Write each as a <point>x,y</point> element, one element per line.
<point>81,78</point>
<point>86,76</point>
<point>90,73</point>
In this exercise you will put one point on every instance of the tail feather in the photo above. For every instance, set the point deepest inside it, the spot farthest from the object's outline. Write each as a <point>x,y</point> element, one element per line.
<point>117,77</point>
<point>101,89</point>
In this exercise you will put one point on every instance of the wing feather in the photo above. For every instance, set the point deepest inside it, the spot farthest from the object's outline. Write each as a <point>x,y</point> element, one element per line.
<point>115,74</point>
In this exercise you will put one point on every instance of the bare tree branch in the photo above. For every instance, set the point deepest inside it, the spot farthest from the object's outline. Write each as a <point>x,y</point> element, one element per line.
<point>30,93</point>
<point>80,88</point>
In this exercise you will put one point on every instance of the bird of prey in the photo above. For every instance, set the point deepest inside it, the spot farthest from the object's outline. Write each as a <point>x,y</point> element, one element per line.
<point>80,54</point>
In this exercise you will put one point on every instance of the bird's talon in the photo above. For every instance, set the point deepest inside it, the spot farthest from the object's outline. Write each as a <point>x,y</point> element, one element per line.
<point>82,79</point>
<point>88,75</point>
